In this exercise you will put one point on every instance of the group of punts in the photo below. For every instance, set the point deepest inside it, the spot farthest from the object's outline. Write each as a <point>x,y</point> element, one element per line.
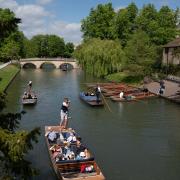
<point>90,99</point>
<point>68,162</point>
<point>112,90</point>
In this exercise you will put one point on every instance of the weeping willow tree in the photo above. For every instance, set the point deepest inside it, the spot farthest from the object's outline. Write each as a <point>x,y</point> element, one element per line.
<point>100,57</point>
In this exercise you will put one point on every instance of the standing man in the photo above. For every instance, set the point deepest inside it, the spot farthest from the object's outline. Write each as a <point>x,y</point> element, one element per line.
<point>30,85</point>
<point>98,92</point>
<point>64,113</point>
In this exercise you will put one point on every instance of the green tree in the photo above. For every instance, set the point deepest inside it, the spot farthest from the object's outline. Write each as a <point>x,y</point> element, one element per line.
<point>99,23</point>
<point>30,48</point>
<point>159,26</point>
<point>8,23</point>
<point>124,22</point>
<point>69,49</point>
<point>10,51</point>
<point>55,46</point>
<point>45,46</point>
<point>39,45</point>
<point>14,145</point>
<point>140,54</point>
<point>13,47</point>
<point>167,26</point>
<point>100,57</point>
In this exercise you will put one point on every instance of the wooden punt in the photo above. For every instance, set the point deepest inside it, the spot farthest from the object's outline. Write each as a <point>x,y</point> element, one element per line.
<point>90,99</point>
<point>133,97</point>
<point>29,101</point>
<point>116,92</point>
<point>71,169</point>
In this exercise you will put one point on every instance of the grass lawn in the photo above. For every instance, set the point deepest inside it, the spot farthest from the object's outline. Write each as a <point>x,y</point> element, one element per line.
<point>6,75</point>
<point>125,78</point>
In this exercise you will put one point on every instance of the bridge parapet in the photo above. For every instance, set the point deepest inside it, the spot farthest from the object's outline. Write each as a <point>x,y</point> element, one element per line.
<point>49,59</point>
<point>57,62</point>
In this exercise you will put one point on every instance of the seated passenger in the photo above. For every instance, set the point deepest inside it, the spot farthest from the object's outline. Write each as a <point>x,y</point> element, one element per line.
<point>71,138</point>
<point>56,150</point>
<point>86,94</point>
<point>29,96</point>
<point>25,95</point>
<point>52,136</point>
<point>80,150</point>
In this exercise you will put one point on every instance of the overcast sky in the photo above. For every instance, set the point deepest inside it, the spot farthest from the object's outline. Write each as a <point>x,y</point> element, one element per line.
<point>63,17</point>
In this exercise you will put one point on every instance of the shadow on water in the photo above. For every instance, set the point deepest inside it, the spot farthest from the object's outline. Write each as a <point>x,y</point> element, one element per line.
<point>137,141</point>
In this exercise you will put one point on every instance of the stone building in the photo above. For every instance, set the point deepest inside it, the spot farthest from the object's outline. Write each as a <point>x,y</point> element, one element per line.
<point>171,52</point>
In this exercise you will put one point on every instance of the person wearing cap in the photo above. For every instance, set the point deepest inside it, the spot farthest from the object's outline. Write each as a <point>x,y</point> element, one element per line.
<point>64,113</point>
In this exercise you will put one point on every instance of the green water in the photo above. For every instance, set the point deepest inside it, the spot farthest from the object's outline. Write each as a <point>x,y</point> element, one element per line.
<point>138,141</point>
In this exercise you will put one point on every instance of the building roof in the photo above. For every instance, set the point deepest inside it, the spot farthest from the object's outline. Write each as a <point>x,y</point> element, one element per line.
<point>174,43</point>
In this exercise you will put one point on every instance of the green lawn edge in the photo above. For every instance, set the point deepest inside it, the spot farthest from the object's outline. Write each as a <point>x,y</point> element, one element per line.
<point>7,74</point>
<point>123,77</point>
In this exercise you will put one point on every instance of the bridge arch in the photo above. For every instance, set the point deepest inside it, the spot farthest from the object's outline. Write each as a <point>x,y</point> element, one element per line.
<point>50,64</point>
<point>67,66</point>
<point>29,65</point>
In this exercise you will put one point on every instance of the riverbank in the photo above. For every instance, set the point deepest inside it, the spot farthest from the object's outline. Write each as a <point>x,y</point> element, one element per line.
<point>171,90</point>
<point>124,77</point>
<point>7,74</point>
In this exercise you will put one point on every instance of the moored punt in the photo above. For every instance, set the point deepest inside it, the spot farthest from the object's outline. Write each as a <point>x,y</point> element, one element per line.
<point>90,99</point>
<point>116,92</point>
<point>68,167</point>
<point>132,97</point>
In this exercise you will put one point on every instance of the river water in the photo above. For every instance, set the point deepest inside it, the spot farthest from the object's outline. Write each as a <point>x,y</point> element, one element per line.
<point>137,141</point>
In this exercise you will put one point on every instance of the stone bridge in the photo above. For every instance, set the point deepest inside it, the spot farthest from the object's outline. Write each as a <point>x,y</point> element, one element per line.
<point>56,62</point>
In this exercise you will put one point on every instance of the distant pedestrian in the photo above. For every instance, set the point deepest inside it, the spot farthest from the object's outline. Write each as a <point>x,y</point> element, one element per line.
<point>64,113</point>
<point>162,87</point>
<point>161,83</point>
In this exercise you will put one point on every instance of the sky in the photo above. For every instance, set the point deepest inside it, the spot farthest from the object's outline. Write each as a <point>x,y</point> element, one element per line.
<point>63,17</point>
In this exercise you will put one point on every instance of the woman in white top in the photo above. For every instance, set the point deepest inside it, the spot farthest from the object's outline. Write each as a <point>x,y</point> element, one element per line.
<point>121,95</point>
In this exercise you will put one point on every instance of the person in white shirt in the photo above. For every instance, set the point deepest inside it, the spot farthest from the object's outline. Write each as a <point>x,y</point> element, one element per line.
<point>121,95</point>
<point>64,113</point>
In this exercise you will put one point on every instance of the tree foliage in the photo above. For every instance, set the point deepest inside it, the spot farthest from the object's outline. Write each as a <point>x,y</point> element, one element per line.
<point>99,23</point>
<point>100,57</point>
<point>124,22</point>
<point>140,53</point>
<point>48,46</point>
<point>11,40</point>
<point>8,23</point>
<point>14,145</point>
<point>159,26</point>
<point>141,32</point>
<point>69,49</point>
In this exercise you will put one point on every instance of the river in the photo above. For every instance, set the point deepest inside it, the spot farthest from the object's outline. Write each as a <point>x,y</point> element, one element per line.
<point>137,141</point>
